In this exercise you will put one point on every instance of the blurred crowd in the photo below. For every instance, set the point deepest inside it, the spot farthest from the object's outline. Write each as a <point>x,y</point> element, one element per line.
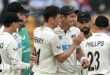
<point>36,6</point>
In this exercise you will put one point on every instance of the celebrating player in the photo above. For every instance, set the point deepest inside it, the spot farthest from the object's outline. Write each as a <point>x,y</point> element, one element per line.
<point>84,22</point>
<point>97,48</point>
<point>11,61</point>
<point>66,32</point>
<point>48,45</point>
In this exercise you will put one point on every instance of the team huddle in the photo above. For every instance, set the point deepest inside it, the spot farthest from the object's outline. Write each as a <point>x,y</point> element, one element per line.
<point>64,45</point>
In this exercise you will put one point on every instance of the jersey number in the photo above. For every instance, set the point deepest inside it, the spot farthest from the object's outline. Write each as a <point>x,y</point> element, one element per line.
<point>38,54</point>
<point>91,56</point>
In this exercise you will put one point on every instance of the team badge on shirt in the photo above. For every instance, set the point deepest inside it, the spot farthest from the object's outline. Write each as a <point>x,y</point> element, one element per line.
<point>72,36</point>
<point>60,37</point>
<point>58,47</point>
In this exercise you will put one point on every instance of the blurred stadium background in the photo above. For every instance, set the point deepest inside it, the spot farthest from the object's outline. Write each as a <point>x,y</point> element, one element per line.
<point>35,18</point>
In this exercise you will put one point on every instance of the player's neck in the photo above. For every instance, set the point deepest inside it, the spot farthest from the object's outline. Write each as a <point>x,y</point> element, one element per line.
<point>88,35</point>
<point>9,30</point>
<point>101,30</point>
<point>65,28</point>
<point>48,25</point>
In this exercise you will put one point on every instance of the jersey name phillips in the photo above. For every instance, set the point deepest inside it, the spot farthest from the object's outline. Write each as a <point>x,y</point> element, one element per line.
<point>95,43</point>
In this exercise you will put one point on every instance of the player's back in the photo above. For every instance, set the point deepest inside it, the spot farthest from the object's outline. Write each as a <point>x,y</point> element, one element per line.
<point>5,40</point>
<point>17,37</point>
<point>43,36</point>
<point>97,49</point>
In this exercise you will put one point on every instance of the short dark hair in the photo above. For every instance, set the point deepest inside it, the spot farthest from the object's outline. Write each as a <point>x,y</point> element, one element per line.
<point>66,10</point>
<point>102,21</point>
<point>16,7</point>
<point>50,11</point>
<point>9,18</point>
<point>83,16</point>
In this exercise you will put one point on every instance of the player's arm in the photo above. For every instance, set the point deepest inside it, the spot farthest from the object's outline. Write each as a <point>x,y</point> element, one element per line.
<point>62,56</point>
<point>15,59</point>
<point>82,59</point>
<point>79,53</point>
<point>33,54</point>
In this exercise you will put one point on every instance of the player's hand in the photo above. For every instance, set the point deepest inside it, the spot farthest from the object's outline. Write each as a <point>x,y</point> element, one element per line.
<point>33,57</point>
<point>85,63</point>
<point>31,64</point>
<point>78,39</point>
<point>33,60</point>
<point>34,51</point>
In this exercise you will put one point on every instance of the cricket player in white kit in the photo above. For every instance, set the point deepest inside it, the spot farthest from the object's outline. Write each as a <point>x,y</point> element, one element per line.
<point>16,7</point>
<point>66,32</point>
<point>84,22</point>
<point>11,63</point>
<point>97,48</point>
<point>48,45</point>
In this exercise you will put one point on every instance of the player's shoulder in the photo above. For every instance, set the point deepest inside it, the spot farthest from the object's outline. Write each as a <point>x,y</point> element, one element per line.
<point>99,36</point>
<point>37,29</point>
<point>104,35</point>
<point>58,30</point>
<point>108,33</point>
<point>44,32</point>
<point>88,39</point>
<point>5,34</point>
<point>16,34</point>
<point>49,32</point>
<point>7,37</point>
<point>11,39</point>
<point>74,29</point>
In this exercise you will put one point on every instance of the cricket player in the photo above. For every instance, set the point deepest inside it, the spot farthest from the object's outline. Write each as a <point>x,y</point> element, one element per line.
<point>11,8</point>
<point>97,48</point>
<point>11,63</point>
<point>84,22</point>
<point>66,32</point>
<point>48,46</point>
<point>21,35</point>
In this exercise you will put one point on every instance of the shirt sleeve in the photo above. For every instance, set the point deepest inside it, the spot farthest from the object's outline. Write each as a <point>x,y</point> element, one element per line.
<point>15,61</point>
<point>55,45</point>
